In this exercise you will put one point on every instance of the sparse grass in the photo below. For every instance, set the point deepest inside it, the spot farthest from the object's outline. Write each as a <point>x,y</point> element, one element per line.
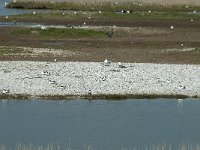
<point>58,33</point>
<point>103,6</point>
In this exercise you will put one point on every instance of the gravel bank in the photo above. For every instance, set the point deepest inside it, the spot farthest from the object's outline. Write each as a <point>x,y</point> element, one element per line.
<point>79,78</point>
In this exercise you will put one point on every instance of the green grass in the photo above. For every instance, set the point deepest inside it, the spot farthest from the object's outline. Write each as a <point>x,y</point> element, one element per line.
<point>103,6</point>
<point>109,15</point>
<point>58,33</point>
<point>10,50</point>
<point>152,15</point>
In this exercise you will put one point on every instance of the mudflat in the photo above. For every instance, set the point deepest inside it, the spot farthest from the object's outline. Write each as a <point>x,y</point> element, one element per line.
<point>148,41</point>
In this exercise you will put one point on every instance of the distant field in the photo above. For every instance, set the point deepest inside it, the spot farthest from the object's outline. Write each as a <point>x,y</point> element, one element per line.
<point>164,2</point>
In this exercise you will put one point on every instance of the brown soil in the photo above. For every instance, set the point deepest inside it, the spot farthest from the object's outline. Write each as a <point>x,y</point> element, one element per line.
<point>152,41</point>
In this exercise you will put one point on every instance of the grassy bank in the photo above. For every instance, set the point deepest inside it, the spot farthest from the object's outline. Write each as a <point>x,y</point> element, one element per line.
<point>103,6</point>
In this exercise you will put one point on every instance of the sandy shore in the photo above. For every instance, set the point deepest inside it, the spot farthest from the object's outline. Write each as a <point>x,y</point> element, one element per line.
<point>38,79</point>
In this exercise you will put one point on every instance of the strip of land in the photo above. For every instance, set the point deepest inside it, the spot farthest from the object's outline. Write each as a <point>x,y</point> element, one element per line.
<point>65,80</point>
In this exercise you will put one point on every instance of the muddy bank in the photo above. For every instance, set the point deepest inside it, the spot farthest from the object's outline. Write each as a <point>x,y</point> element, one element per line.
<point>67,80</point>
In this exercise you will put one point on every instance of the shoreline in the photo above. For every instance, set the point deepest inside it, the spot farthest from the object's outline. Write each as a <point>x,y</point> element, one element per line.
<point>91,98</point>
<point>97,80</point>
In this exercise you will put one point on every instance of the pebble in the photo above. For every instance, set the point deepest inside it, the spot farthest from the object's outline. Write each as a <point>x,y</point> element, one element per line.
<point>134,78</point>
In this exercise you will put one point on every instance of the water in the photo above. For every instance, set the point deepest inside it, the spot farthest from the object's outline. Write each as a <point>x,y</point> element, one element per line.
<point>5,11</point>
<point>102,124</point>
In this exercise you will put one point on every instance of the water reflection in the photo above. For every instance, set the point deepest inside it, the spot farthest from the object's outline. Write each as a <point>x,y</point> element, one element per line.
<point>102,124</point>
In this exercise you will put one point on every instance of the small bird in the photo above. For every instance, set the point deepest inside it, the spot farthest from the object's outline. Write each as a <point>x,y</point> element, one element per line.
<point>34,12</point>
<point>68,25</point>
<point>45,73</point>
<point>110,33</point>
<point>123,11</point>
<point>90,92</point>
<point>107,63</point>
<point>5,91</point>
<point>6,17</point>
<point>6,4</point>
<point>172,27</point>
<point>90,95</point>
<point>120,65</point>
<point>52,82</point>
<point>43,27</point>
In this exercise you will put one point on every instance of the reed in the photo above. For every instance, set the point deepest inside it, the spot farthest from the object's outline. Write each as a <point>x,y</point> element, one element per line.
<point>186,145</point>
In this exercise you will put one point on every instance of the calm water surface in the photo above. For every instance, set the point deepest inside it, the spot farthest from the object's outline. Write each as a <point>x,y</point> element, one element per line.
<point>102,124</point>
<point>4,11</point>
